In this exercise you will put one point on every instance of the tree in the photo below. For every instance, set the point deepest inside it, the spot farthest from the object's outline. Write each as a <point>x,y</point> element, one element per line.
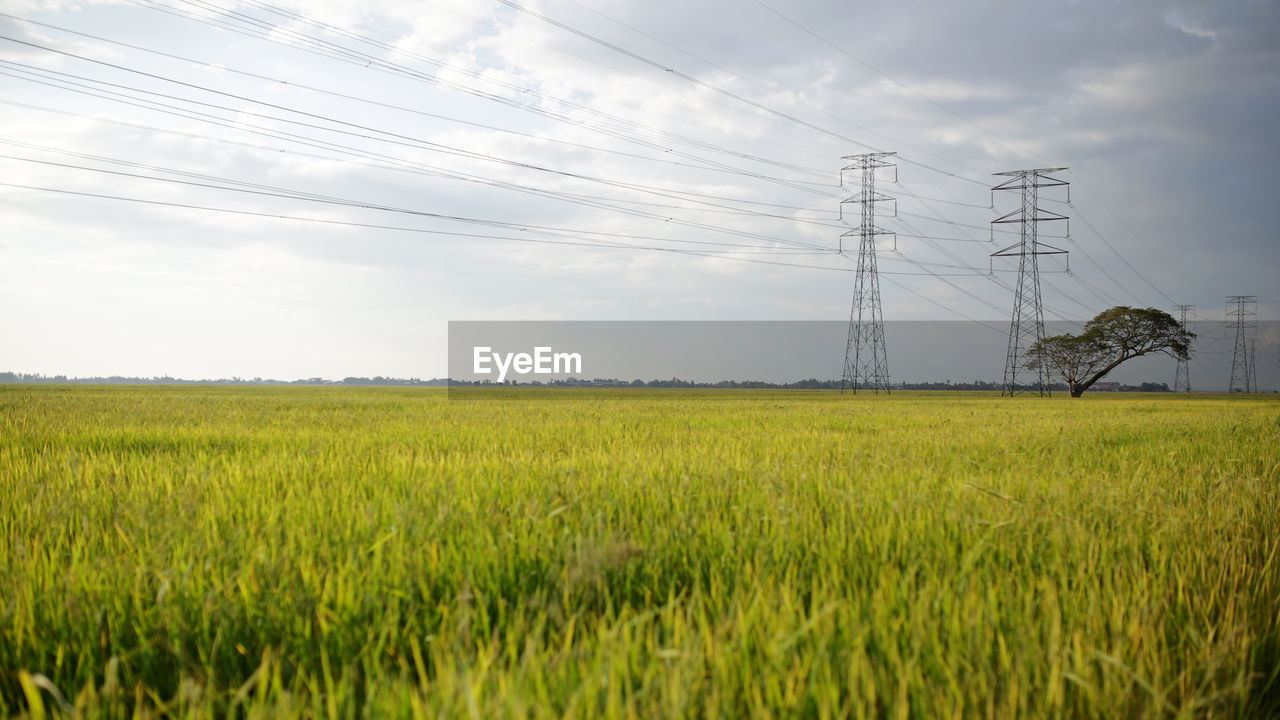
<point>1115,335</point>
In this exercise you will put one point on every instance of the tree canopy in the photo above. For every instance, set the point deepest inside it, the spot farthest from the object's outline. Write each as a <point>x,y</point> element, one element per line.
<point>1113,336</point>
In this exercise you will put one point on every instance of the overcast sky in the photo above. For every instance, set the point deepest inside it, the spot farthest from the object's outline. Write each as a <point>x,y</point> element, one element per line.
<point>213,189</point>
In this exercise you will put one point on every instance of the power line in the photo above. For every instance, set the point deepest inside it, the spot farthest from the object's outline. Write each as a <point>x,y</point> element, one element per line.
<point>478,179</point>
<point>771,91</point>
<point>691,79</point>
<point>275,192</point>
<point>355,56</point>
<point>736,171</point>
<point>331,28</point>
<point>971,271</point>
<point>895,81</point>
<point>1106,299</point>
<point>274,34</point>
<point>355,129</point>
<point>271,191</point>
<point>643,59</point>
<point>943,200</point>
<point>1122,259</point>
<point>945,307</point>
<point>968,120</point>
<point>709,86</point>
<point>344,223</point>
<point>625,185</point>
<point>1151,252</point>
<point>948,281</point>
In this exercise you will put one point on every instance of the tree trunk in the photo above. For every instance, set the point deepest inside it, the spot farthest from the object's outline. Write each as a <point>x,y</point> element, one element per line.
<point>1077,389</point>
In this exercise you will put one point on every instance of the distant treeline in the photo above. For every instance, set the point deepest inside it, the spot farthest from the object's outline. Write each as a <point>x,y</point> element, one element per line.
<point>810,384</point>
<point>10,377</point>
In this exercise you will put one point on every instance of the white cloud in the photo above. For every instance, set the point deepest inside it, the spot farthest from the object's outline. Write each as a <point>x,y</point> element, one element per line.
<point>1179,18</point>
<point>1146,103</point>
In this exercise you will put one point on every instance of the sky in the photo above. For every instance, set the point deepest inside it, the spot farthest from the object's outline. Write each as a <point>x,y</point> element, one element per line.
<point>211,188</point>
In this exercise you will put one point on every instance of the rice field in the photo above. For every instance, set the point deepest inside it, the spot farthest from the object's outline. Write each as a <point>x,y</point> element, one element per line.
<point>405,552</point>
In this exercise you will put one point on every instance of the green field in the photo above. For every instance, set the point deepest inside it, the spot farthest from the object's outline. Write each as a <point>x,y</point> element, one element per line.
<point>340,552</point>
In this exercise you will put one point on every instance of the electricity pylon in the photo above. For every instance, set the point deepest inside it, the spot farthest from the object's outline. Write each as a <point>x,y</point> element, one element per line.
<point>1027,325</point>
<point>866,364</point>
<point>1253,364</point>
<point>1182,377</point>
<point>1239,321</point>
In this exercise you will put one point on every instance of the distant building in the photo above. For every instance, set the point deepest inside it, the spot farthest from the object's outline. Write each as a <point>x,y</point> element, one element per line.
<point>1106,386</point>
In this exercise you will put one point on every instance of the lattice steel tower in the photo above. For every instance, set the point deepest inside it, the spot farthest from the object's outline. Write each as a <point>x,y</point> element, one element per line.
<point>1182,377</point>
<point>1027,326</point>
<point>1253,363</point>
<point>1239,320</point>
<point>866,364</point>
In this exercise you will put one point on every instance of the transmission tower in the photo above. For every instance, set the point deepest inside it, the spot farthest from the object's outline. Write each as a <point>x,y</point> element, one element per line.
<point>866,365</point>
<point>1239,320</point>
<point>1253,364</point>
<point>1027,326</point>
<point>1182,377</point>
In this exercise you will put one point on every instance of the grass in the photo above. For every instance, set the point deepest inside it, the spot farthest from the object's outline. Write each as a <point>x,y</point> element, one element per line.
<point>337,552</point>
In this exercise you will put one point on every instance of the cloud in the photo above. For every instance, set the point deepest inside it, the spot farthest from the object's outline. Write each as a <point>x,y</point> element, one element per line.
<point>1162,110</point>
